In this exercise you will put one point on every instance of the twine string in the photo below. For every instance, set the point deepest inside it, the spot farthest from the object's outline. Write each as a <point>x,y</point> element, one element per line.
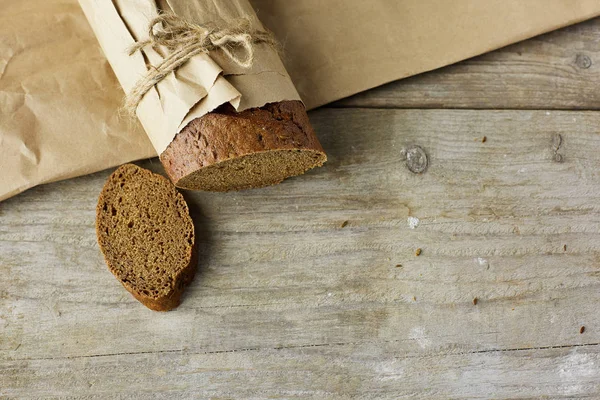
<point>185,40</point>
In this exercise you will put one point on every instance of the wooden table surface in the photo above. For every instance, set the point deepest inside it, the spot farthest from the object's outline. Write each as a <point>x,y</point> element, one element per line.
<point>312,288</point>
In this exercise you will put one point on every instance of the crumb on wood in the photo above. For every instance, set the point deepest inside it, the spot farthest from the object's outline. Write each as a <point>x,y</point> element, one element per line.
<point>484,139</point>
<point>475,300</point>
<point>344,224</point>
<point>418,252</point>
<point>581,330</point>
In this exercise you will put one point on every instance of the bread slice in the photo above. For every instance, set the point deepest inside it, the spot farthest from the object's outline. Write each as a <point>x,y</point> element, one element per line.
<point>228,150</point>
<point>146,235</point>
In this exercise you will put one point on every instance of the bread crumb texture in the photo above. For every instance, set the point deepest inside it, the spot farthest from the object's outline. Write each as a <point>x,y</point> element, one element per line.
<point>146,235</point>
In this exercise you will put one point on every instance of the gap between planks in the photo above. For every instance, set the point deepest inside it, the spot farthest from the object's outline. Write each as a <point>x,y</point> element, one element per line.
<point>342,106</point>
<point>304,346</point>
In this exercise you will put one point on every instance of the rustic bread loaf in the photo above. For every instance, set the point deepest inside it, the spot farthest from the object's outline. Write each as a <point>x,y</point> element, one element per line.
<point>146,235</point>
<point>228,150</point>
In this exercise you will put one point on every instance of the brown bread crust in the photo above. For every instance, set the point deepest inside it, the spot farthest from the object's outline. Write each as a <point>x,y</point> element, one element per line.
<point>224,135</point>
<point>134,224</point>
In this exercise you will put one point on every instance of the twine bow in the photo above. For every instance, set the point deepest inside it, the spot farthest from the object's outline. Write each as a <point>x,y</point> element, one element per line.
<point>184,40</point>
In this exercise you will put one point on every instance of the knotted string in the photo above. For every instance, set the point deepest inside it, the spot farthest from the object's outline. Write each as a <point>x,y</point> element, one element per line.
<point>184,40</point>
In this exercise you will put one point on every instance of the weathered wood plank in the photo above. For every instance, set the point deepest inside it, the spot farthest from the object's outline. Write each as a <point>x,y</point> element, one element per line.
<point>335,371</point>
<point>278,270</point>
<point>558,70</point>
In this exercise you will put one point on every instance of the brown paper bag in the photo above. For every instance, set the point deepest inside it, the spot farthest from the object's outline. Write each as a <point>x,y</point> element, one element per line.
<point>336,48</point>
<point>59,97</point>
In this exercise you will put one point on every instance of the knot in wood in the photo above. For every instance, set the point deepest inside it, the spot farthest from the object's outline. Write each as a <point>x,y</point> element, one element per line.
<point>416,159</point>
<point>556,143</point>
<point>583,61</point>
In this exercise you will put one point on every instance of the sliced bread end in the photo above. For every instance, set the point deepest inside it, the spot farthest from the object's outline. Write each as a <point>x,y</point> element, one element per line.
<point>147,236</point>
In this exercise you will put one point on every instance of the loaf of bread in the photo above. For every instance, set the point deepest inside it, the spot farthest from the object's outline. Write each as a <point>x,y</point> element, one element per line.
<point>228,150</point>
<point>146,235</point>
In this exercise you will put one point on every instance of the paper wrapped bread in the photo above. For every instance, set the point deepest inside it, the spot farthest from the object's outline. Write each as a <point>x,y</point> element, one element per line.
<point>215,124</point>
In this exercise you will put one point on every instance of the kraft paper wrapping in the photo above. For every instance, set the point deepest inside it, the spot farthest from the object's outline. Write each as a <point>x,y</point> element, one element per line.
<point>59,98</point>
<point>198,86</point>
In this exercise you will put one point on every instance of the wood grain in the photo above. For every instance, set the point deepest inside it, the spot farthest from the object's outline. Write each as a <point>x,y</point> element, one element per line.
<point>558,70</point>
<point>291,302</point>
<point>345,371</point>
